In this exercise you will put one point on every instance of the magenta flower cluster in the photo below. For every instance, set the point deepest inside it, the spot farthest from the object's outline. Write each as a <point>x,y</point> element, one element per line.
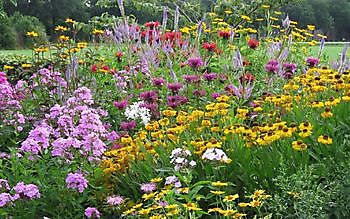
<point>76,181</point>
<point>71,129</point>
<point>21,191</point>
<point>272,66</point>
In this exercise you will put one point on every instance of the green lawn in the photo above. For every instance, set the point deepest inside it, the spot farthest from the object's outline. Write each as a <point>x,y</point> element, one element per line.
<point>332,51</point>
<point>27,52</point>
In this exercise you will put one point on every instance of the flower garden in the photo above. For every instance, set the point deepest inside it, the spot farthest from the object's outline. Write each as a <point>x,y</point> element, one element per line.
<point>202,121</point>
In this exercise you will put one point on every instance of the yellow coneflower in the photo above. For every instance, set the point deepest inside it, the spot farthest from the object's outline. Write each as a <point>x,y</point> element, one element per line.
<point>299,145</point>
<point>217,192</point>
<point>327,113</point>
<point>8,67</point>
<point>324,139</point>
<point>231,198</point>
<point>32,34</point>
<point>191,206</point>
<point>97,32</point>
<point>26,65</point>
<point>219,184</point>
<point>70,21</point>
<point>61,28</point>
<point>63,38</point>
<point>82,45</point>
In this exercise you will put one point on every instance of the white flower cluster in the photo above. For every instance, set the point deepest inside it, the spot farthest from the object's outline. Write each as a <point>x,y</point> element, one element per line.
<point>179,158</point>
<point>138,111</point>
<point>215,154</point>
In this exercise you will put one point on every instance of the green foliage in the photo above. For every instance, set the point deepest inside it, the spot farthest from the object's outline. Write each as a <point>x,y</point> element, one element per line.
<point>23,24</point>
<point>319,191</point>
<point>7,39</point>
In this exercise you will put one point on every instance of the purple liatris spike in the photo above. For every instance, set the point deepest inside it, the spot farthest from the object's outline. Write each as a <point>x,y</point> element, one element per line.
<point>176,20</point>
<point>121,7</point>
<point>321,47</point>
<point>165,18</point>
<point>286,22</point>
<point>239,58</point>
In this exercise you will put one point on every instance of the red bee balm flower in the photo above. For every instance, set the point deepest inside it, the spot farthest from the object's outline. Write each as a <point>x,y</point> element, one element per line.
<point>94,68</point>
<point>152,24</point>
<point>253,43</point>
<point>247,78</point>
<point>119,54</point>
<point>211,47</point>
<point>224,34</point>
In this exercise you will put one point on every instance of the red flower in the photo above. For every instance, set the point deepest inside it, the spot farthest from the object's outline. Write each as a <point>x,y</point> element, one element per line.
<point>183,64</point>
<point>152,24</point>
<point>211,47</point>
<point>253,43</point>
<point>119,54</point>
<point>247,78</point>
<point>224,34</point>
<point>246,63</point>
<point>171,36</point>
<point>94,68</point>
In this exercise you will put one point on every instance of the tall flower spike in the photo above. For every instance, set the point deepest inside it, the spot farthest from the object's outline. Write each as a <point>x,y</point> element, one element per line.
<point>176,20</point>
<point>343,57</point>
<point>286,22</point>
<point>165,18</point>
<point>121,7</point>
<point>321,48</point>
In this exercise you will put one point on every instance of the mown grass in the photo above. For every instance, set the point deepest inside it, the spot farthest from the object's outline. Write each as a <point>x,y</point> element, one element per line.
<point>332,51</point>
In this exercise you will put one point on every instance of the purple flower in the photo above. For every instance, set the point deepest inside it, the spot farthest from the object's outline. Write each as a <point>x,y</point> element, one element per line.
<point>199,93</point>
<point>158,82</point>
<point>115,200</point>
<point>191,78</point>
<point>215,95</point>
<point>149,96</point>
<point>30,191</point>
<point>121,104</point>
<point>175,101</point>
<point>210,76</point>
<point>112,136</point>
<point>3,78</point>
<point>76,181</point>
<point>290,66</point>
<point>127,126</point>
<point>173,180</point>
<point>163,203</point>
<point>272,66</point>
<point>4,199</point>
<point>195,62</point>
<point>148,187</point>
<point>312,62</point>
<point>289,70</point>
<point>92,213</point>
<point>175,87</point>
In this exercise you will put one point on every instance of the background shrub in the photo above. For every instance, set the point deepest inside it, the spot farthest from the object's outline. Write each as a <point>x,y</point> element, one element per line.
<point>7,36</point>
<point>22,24</point>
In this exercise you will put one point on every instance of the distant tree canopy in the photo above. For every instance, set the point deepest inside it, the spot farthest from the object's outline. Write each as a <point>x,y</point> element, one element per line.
<point>330,16</point>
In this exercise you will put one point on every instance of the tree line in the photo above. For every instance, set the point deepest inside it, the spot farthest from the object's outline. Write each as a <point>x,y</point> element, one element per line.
<point>330,16</point>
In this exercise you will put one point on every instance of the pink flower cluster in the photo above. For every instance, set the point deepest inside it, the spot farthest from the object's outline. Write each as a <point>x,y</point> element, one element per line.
<point>21,190</point>
<point>10,105</point>
<point>76,181</point>
<point>49,79</point>
<point>71,129</point>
